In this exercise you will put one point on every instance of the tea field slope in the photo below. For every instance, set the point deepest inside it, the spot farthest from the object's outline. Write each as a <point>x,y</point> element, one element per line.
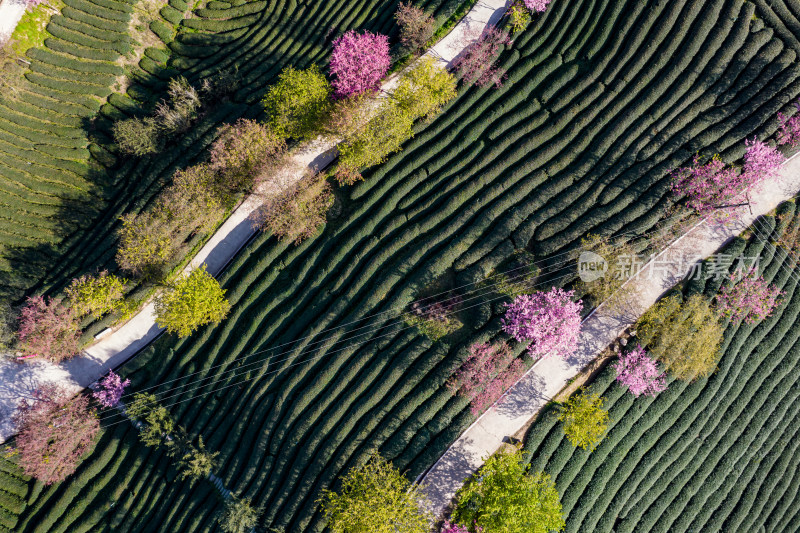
<point>64,185</point>
<point>718,454</point>
<point>602,100</point>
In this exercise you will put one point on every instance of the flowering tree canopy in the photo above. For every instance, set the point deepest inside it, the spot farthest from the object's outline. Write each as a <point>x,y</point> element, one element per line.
<point>447,527</point>
<point>243,151</point>
<point>375,498</point>
<point>55,431</point>
<point>551,321</point>
<point>537,6</point>
<point>48,329</point>
<point>488,371</point>
<point>476,64</point>
<point>416,27</point>
<point>504,497</point>
<point>789,132</point>
<point>640,373</point>
<point>585,420</point>
<point>713,185</point>
<point>359,62</point>
<point>752,299</point>
<point>761,161</point>
<point>111,389</point>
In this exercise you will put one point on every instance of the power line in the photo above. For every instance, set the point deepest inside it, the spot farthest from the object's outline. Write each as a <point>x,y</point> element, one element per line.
<point>485,287</point>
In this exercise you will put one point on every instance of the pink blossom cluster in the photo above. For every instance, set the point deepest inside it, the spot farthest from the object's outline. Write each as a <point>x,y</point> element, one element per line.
<point>111,389</point>
<point>550,320</point>
<point>761,161</point>
<point>447,527</point>
<point>789,132</point>
<point>476,64</point>
<point>48,329</point>
<point>640,373</point>
<point>712,185</point>
<point>537,6</point>
<point>486,374</point>
<point>358,63</point>
<point>752,299</point>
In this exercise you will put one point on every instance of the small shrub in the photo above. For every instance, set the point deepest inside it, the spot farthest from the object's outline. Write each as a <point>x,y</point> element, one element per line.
<point>137,136</point>
<point>476,64</point>
<point>434,320</point>
<point>519,16</point>
<point>177,114</point>
<point>416,28</point>
<point>585,420</point>
<point>110,390</point>
<point>640,373</point>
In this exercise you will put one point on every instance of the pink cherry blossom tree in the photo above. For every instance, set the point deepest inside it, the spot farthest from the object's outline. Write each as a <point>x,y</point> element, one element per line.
<point>537,6</point>
<point>447,527</point>
<point>789,132</point>
<point>640,373</point>
<point>489,370</point>
<point>752,299</point>
<point>48,329</point>
<point>550,321</point>
<point>358,63</point>
<point>713,186</point>
<point>477,64</point>
<point>761,161</point>
<point>55,431</point>
<point>111,389</point>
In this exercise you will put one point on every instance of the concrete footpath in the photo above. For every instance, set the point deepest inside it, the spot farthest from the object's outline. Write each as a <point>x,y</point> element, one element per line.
<point>11,12</point>
<point>17,380</point>
<point>547,377</point>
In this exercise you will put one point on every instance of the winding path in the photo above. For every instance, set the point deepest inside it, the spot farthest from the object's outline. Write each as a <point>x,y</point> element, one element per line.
<point>11,12</point>
<point>18,380</point>
<point>548,376</point>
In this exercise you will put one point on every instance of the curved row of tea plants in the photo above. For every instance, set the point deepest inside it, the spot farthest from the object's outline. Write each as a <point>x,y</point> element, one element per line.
<point>717,454</point>
<point>602,100</point>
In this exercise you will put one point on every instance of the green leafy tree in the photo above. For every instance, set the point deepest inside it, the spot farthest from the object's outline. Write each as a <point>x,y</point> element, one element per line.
<point>684,335</point>
<point>375,498</point>
<point>503,497</point>
<point>193,203</point>
<point>96,295</point>
<point>137,136</point>
<point>238,516</point>
<point>145,244</point>
<point>158,423</point>
<point>296,104</point>
<point>384,134</point>
<point>585,420</point>
<point>192,301</point>
<point>425,88</point>
<point>197,462</point>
